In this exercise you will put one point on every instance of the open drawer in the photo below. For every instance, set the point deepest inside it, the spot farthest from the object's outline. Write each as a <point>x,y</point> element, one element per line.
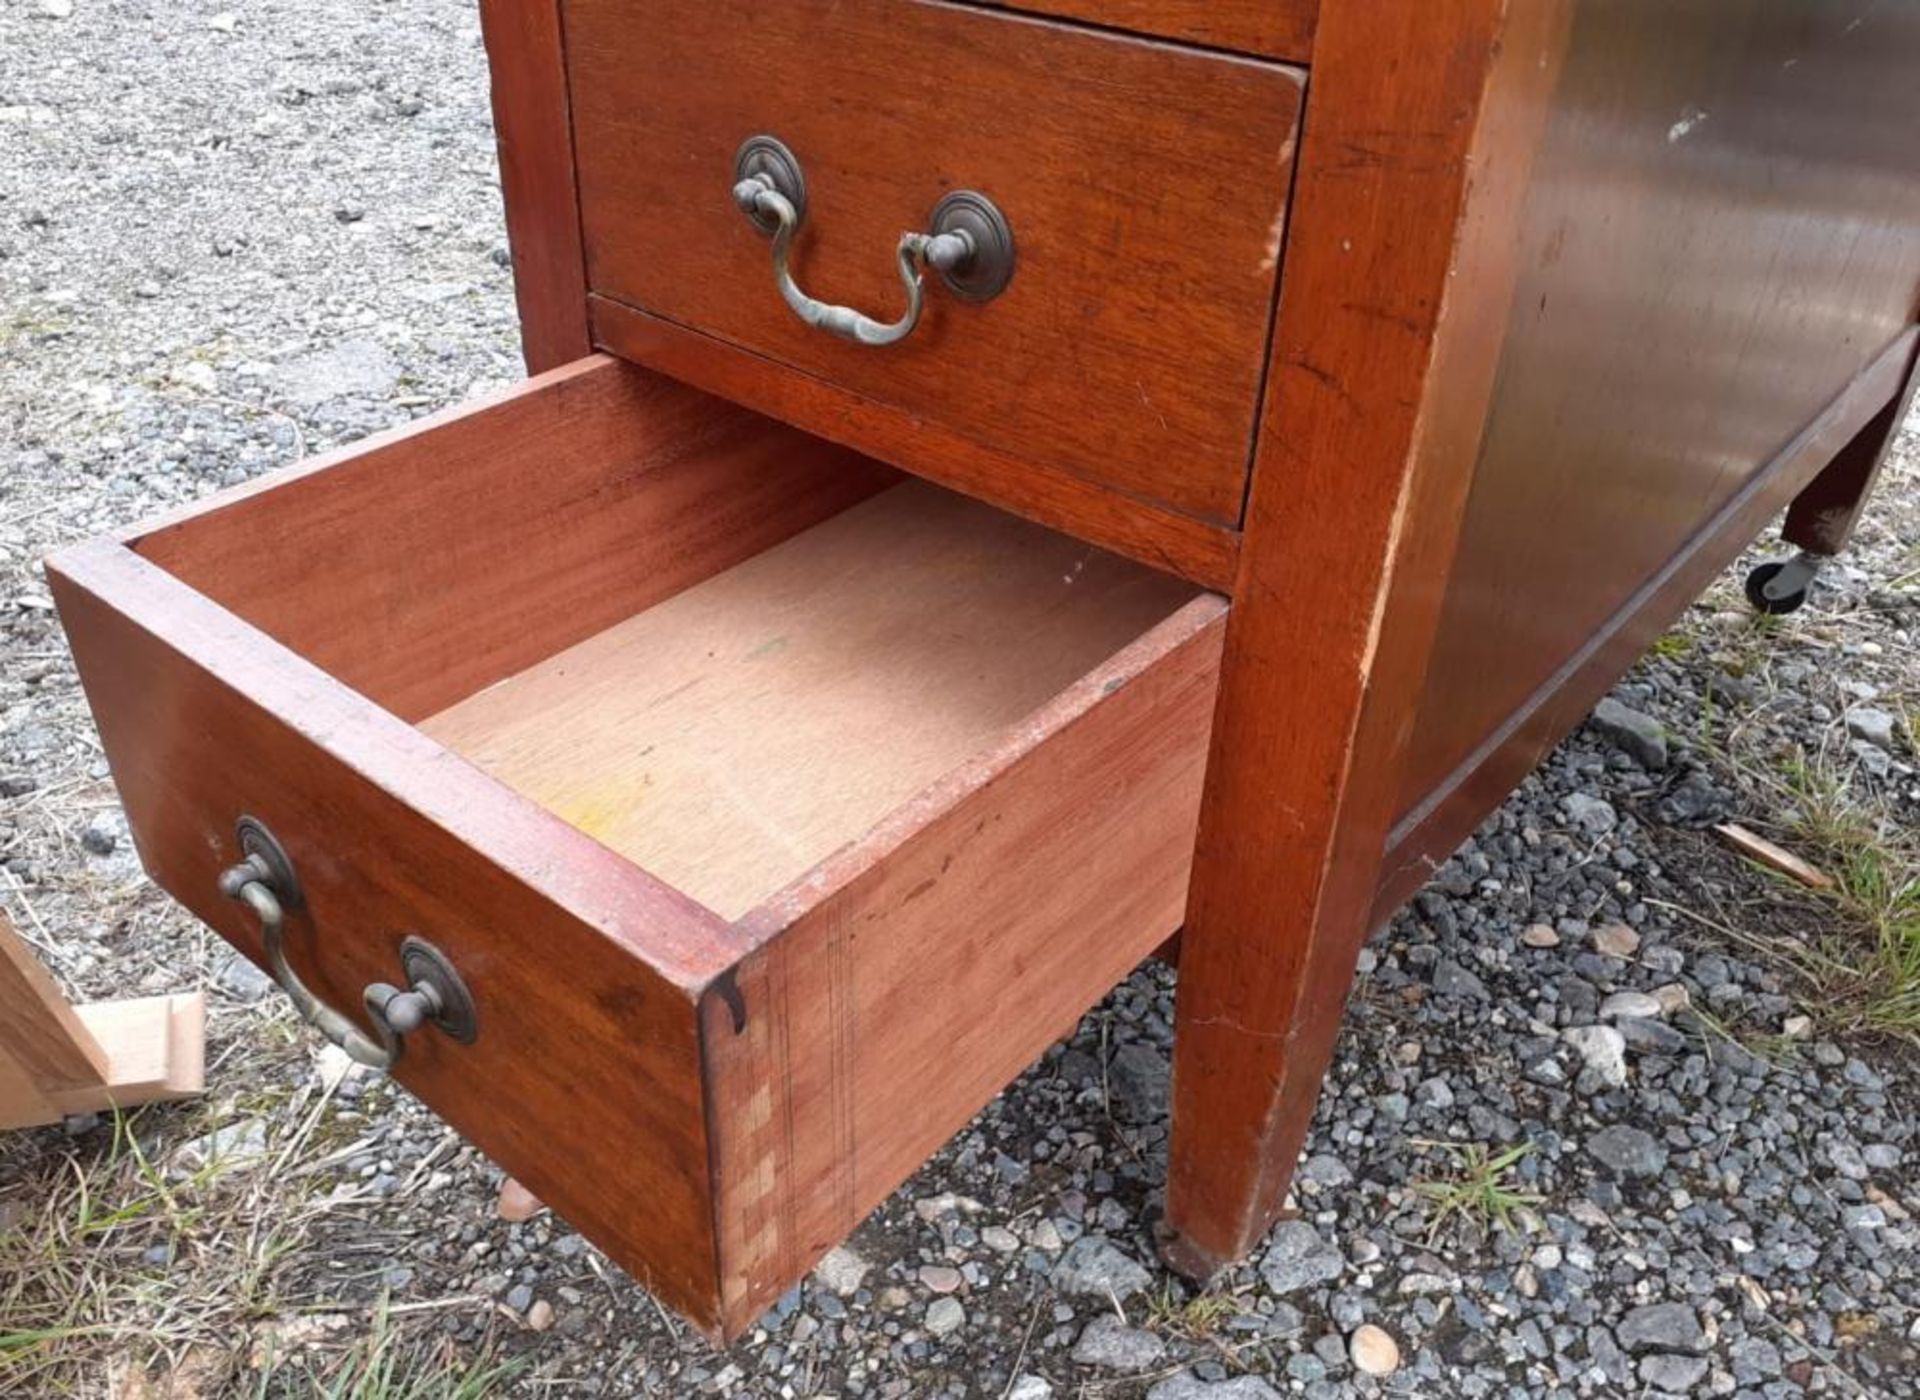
<point>772,809</point>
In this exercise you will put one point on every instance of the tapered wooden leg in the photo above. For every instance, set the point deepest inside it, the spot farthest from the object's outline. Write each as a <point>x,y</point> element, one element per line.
<point>1360,480</point>
<point>1824,514</point>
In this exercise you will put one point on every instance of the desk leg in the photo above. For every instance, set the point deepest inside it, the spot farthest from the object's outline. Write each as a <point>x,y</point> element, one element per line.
<point>1824,514</point>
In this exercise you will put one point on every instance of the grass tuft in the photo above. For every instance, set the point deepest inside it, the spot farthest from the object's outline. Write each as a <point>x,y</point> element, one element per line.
<point>1481,1187</point>
<point>1857,958</point>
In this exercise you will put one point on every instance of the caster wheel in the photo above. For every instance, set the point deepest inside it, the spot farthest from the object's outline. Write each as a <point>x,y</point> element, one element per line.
<point>1757,582</point>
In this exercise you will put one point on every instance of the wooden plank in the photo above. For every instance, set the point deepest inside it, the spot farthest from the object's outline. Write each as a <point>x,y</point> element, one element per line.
<point>1756,847</point>
<point>735,735</point>
<point>39,1032</point>
<point>1146,186</point>
<point>1270,28</point>
<point>57,1060</point>
<point>584,1081</point>
<point>1163,539</point>
<point>1662,351</point>
<point>533,125</point>
<point>900,986</point>
<point>427,563</point>
<point>1419,135</point>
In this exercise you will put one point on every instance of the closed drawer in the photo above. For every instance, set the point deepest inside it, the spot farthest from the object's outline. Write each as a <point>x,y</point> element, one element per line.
<point>1145,187</point>
<point>774,810</point>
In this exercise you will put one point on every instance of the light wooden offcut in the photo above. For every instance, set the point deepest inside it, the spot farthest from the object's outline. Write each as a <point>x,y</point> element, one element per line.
<point>732,737</point>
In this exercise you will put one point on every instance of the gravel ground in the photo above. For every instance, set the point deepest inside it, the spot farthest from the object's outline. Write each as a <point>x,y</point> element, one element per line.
<point>1608,1117</point>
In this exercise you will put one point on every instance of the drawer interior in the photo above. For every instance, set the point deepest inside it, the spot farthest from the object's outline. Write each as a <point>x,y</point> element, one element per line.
<point>782,644</point>
<point>731,737</point>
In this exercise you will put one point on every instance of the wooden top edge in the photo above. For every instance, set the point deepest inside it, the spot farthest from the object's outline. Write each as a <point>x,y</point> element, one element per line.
<point>1284,37</point>
<point>685,943</point>
<point>786,906</point>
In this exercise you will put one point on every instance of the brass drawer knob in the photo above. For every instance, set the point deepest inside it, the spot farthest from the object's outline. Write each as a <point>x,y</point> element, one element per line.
<point>265,882</point>
<point>967,241</point>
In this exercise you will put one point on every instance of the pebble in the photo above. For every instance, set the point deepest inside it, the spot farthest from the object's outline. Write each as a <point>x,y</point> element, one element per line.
<point>1662,1327</point>
<point>1593,815</point>
<point>1628,1152</point>
<point>1450,979</point>
<point>1188,1386</point>
<point>1640,1004</point>
<point>1640,736</point>
<point>1094,1267</point>
<point>1298,1257</point>
<point>938,1278</point>
<point>101,834</point>
<point>1674,1375</point>
<point>1373,1350</point>
<point>516,1203</point>
<point>945,1316</point>
<point>841,1271</point>
<point>241,980</point>
<point>1540,936</point>
<point>1110,1344</point>
<point>1616,941</point>
<point>1031,1388</point>
<point>1871,725</point>
<point>1603,1049</point>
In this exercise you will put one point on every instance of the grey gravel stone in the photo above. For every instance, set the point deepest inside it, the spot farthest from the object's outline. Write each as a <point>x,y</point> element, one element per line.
<point>1452,980</point>
<point>1627,1151</point>
<point>945,1316</point>
<point>351,368</point>
<point>1662,1327</point>
<point>1639,1004</point>
<point>1140,1078</point>
<point>1297,1257</point>
<point>1593,815</point>
<point>1872,725</point>
<point>1673,1375</point>
<point>1109,1343</point>
<point>1640,736</point>
<point>1094,1266</point>
<point>1603,1049</point>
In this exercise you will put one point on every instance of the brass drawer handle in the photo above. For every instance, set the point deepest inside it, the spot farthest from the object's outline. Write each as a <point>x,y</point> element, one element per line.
<point>265,882</point>
<point>967,242</point>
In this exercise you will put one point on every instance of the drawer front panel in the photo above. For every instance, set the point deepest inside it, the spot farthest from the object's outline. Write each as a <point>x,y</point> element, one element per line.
<point>1145,186</point>
<point>584,1074</point>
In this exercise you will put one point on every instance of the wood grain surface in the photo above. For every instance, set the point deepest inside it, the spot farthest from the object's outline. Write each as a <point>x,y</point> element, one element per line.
<point>737,734</point>
<point>1175,543</point>
<point>1432,830</point>
<point>585,1079</point>
<point>533,128</point>
<point>902,984</point>
<point>1420,132</point>
<point>1146,186</point>
<point>423,565</point>
<point>1723,234</point>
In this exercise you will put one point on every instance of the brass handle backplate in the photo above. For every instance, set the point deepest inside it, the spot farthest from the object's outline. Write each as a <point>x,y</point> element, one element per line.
<point>967,241</point>
<point>264,881</point>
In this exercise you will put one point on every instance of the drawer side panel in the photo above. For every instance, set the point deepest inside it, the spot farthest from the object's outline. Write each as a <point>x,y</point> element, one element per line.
<point>927,966</point>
